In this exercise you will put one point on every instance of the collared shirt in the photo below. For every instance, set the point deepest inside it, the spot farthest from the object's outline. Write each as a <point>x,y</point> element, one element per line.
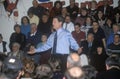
<point>69,26</point>
<point>64,42</point>
<point>32,34</point>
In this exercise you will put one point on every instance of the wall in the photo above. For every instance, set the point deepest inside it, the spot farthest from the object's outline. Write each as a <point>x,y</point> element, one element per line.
<point>7,23</point>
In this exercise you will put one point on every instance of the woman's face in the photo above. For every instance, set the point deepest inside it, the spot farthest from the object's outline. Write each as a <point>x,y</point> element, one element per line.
<point>25,21</point>
<point>99,50</point>
<point>100,14</point>
<point>17,29</point>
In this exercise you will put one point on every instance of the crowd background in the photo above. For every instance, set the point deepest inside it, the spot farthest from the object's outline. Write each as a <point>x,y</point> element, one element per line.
<point>96,30</point>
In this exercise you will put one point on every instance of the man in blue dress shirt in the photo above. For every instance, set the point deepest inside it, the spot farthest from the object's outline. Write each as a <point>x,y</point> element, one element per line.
<point>65,41</point>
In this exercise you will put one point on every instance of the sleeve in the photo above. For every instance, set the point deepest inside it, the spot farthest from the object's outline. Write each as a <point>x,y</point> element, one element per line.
<point>73,43</point>
<point>46,46</point>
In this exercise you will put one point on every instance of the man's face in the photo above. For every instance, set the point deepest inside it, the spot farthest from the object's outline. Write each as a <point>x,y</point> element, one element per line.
<point>35,3</point>
<point>90,38</point>
<point>67,19</point>
<point>95,25</point>
<point>116,39</point>
<point>15,48</point>
<point>77,28</point>
<point>56,24</point>
<point>115,28</point>
<point>33,28</point>
<point>72,2</point>
<point>44,18</point>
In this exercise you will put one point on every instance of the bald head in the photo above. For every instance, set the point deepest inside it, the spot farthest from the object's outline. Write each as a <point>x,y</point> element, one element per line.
<point>74,73</point>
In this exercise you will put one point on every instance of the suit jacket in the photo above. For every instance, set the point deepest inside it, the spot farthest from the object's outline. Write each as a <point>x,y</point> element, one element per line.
<point>34,39</point>
<point>86,49</point>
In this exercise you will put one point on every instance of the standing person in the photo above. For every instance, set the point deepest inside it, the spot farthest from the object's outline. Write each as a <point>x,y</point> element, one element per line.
<point>59,41</point>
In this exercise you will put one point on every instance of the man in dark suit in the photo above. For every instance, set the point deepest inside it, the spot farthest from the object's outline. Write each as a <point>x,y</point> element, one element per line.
<point>89,45</point>
<point>34,37</point>
<point>112,69</point>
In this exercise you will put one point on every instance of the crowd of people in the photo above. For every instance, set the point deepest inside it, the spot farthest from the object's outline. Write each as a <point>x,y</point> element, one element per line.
<point>64,43</point>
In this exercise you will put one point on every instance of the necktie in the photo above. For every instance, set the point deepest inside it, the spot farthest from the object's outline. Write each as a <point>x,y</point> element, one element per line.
<point>66,26</point>
<point>55,43</point>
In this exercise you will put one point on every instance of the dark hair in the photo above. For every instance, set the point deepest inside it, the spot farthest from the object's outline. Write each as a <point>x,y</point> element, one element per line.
<point>16,25</point>
<point>59,18</point>
<point>77,24</point>
<point>113,61</point>
<point>89,71</point>
<point>55,63</point>
<point>1,36</point>
<point>90,19</point>
<point>107,20</point>
<point>23,18</point>
<point>29,12</point>
<point>43,73</point>
<point>117,35</point>
<point>95,22</point>
<point>57,2</point>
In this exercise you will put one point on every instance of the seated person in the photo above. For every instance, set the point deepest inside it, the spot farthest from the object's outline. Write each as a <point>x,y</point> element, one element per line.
<point>75,60</point>
<point>12,68</point>
<point>44,57</point>
<point>72,9</point>
<point>68,24</point>
<point>116,30</point>
<point>97,59</point>
<point>89,71</point>
<point>74,72</point>
<point>115,46</point>
<point>16,52</point>
<point>78,35</point>
<point>89,45</point>
<point>33,18</point>
<point>45,25</point>
<point>55,64</point>
<point>112,69</point>
<point>18,37</point>
<point>4,49</point>
<point>43,71</point>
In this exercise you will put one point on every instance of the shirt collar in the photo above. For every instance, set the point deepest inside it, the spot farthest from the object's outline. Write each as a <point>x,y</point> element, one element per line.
<point>59,30</point>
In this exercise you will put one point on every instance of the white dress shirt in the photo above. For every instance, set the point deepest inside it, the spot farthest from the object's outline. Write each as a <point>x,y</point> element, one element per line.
<point>68,26</point>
